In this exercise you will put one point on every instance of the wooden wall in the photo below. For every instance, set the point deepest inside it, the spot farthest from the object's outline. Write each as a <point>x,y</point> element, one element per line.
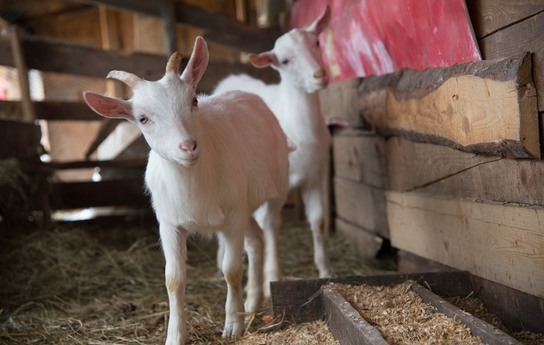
<point>405,170</point>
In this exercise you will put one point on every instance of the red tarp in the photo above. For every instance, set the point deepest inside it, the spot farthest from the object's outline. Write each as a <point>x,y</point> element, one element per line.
<point>370,37</point>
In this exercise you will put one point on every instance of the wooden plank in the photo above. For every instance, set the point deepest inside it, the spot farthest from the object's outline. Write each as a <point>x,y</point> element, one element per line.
<point>346,324</point>
<point>220,28</point>
<point>438,170</point>
<point>365,243</point>
<point>518,310</point>
<point>120,164</point>
<point>20,64</point>
<point>362,205</point>
<point>360,158</point>
<point>129,192</point>
<point>523,36</point>
<point>301,301</point>
<point>478,328</point>
<point>19,139</point>
<point>53,57</point>
<point>482,106</point>
<point>411,263</point>
<point>51,110</point>
<point>127,221</point>
<point>340,101</point>
<point>499,242</point>
<point>489,16</point>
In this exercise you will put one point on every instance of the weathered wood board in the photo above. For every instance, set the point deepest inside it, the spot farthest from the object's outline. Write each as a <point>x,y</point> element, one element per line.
<point>220,28</point>
<point>360,158</point>
<point>53,57</point>
<point>499,242</point>
<point>364,242</point>
<point>346,324</point>
<point>19,139</point>
<point>489,16</point>
<point>362,205</point>
<point>443,171</point>
<point>340,101</point>
<point>518,38</point>
<point>482,106</point>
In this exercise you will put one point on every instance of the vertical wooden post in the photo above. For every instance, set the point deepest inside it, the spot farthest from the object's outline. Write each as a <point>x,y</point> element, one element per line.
<point>109,30</point>
<point>169,24</point>
<point>241,11</point>
<point>20,64</point>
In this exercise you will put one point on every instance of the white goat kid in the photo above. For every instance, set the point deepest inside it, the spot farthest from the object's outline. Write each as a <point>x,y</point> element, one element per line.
<point>297,57</point>
<point>213,162</point>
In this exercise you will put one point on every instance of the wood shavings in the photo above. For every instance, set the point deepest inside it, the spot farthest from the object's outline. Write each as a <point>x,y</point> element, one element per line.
<point>477,308</point>
<point>401,316</point>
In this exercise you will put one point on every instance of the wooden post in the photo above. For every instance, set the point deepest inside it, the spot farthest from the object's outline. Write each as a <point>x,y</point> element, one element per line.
<point>169,25</point>
<point>110,41</point>
<point>20,64</point>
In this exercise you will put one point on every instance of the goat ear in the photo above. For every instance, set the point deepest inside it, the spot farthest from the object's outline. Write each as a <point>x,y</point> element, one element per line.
<point>109,107</point>
<point>321,23</point>
<point>263,59</point>
<point>197,63</point>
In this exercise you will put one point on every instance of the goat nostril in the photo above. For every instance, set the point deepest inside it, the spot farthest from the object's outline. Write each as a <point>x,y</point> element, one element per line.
<point>319,74</point>
<point>188,146</point>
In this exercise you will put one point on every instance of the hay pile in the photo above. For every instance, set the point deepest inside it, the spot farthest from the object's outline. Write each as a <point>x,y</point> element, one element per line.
<point>25,193</point>
<point>73,286</point>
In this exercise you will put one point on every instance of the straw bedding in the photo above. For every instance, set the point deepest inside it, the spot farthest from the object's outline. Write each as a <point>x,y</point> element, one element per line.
<point>71,286</point>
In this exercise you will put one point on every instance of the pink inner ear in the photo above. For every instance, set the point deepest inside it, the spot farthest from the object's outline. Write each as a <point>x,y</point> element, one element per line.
<point>108,107</point>
<point>261,60</point>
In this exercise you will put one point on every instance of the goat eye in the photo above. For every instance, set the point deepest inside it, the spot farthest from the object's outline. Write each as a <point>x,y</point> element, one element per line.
<point>285,62</point>
<point>195,101</point>
<point>142,119</point>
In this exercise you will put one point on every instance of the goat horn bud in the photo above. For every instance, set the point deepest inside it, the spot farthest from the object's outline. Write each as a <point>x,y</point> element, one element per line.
<point>127,78</point>
<point>173,63</point>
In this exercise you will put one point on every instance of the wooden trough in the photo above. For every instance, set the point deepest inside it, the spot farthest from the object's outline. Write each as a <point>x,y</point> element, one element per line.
<point>306,300</point>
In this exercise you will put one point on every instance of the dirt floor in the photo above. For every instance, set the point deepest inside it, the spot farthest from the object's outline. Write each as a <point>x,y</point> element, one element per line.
<point>74,286</point>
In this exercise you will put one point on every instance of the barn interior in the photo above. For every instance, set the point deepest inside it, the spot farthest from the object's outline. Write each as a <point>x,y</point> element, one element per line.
<point>434,168</point>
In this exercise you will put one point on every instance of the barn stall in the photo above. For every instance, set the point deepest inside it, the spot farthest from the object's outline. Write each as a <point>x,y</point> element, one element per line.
<point>440,164</point>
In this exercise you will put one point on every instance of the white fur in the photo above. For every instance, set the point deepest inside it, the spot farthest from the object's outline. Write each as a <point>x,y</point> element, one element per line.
<point>296,105</point>
<point>241,162</point>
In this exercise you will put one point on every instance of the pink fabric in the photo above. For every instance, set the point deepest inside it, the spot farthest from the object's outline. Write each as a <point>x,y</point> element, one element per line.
<point>370,37</point>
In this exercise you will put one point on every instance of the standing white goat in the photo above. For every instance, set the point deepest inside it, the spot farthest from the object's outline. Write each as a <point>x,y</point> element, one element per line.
<point>297,57</point>
<point>213,162</point>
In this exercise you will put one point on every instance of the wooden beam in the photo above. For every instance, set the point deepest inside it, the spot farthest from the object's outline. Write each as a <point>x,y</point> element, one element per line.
<point>51,110</point>
<point>129,192</point>
<point>443,171</point>
<point>361,205</point>
<point>361,159</point>
<point>19,139</point>
<point>20,63</point>
<point>482,106</point>
<point>489,16</point>
<point>53,57</point>
<point>106,128</point>
<point>340,101</point>
<point>500,242</point>
<point>118,164</point>
<point>518,38</point>
<point>220,28</point>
